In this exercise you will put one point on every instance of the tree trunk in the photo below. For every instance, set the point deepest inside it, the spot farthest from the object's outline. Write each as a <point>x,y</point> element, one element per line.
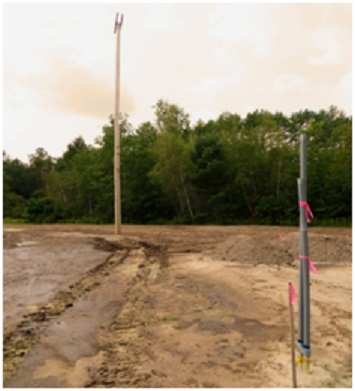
<point>278,179</point>
<point>187,198</point>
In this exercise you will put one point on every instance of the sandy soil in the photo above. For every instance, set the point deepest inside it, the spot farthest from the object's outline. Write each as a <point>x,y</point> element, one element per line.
<point>170,307</point>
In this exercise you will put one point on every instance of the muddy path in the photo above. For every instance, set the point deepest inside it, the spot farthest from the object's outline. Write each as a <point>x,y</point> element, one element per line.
<point>160,307</point>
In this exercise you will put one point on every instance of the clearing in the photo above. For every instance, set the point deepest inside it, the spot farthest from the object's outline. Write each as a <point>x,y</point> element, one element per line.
<point>170,306</point>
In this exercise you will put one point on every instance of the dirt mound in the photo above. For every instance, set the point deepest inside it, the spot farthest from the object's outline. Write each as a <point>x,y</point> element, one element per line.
<point>322,248</point>
<point>325,249</point>
<point>245,249</point>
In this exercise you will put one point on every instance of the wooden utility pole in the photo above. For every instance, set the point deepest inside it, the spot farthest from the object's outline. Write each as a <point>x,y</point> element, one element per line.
<point>117,152</point>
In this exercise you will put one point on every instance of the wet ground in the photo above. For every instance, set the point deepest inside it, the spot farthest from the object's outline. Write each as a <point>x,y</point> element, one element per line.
<point>170,307</point>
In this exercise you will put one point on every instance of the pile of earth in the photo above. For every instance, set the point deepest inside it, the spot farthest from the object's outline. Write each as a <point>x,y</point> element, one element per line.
<point>325,249</point>
<point>244,249</point>
<point>328,249</point>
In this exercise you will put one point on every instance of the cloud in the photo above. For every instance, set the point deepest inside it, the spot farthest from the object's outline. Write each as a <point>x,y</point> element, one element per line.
<point>330,47</point>
<point>159,19</point>
<point>288,82</point>
<point>343,92</point>
<point>72,88</point>
<point>201,113</point>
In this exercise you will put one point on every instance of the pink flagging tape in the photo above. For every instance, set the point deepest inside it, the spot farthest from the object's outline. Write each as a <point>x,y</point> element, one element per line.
<point>312,267</point>
<point>293,297</point>
<point>310,263</point>
<point>280,236</point>
<point>309,213</point>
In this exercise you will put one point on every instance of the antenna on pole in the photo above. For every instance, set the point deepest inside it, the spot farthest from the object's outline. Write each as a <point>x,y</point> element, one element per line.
<point>117,149</point>
<point>118,23</point>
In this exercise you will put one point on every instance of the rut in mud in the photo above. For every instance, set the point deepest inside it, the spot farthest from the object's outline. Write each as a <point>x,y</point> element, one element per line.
<point>122,340</point>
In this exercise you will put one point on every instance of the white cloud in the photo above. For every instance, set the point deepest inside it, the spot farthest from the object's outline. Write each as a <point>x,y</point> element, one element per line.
<point>247,25</point>
<point>206,89</point>
<point>287,82</point>
<point>343,93</point>
<point>160,19</point>
<point>330,47</point>
<point>204,114</point>
<point>228,59</point>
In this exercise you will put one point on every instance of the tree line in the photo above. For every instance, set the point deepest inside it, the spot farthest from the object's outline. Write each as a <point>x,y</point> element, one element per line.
<point>230,170</point>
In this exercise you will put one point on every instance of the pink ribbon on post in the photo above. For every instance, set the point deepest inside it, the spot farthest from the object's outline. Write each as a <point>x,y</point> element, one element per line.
<point>280,236</point>
<point>293,297</point>
<point>311,266</point>
<point>309,213</point>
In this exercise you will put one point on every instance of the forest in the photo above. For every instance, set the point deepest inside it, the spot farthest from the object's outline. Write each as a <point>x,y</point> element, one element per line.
<point>227,171</point>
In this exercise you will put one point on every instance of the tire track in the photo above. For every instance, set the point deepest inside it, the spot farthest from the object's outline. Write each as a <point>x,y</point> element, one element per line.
<point>124,341</point>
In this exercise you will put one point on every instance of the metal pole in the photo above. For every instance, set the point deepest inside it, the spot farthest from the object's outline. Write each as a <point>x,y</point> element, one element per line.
<point>304,252</point>
<point>117,159</point>
<point>304,316</point>
<point>293,360</point>
<point>300,280</point>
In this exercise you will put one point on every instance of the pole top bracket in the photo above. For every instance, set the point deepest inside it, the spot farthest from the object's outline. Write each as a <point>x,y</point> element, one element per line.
<point>118,22</point>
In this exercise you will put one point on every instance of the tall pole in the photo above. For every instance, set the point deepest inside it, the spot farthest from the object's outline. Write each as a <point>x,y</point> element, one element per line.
<point>117,148</point>
<point>304,337</point>
<point>304,247</point>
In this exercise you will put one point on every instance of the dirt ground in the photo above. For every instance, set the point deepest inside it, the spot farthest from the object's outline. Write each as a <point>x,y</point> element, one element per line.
<point>169,307</point>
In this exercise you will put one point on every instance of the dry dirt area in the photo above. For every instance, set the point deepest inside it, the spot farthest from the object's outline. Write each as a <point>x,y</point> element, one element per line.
<point>170,307</point>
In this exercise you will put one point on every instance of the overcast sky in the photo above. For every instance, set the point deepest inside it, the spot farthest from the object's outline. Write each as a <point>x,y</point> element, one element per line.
<point>59,64</point>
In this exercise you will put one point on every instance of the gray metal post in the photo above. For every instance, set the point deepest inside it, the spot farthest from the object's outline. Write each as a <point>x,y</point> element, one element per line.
<point>304,252</point>
<point>300,280</point>
<point>304,309</point>
<point>293,360</point>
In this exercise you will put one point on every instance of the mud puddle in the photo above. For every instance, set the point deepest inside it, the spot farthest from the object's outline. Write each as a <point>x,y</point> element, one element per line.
<point>20,336</point>
<point>70,342</point>
<point>36,271</point>
<point>65,342</point>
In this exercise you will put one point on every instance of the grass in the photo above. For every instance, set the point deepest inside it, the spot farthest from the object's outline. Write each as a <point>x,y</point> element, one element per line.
<point>170,319</point>
<point>227,314</point>
<point>10,220</point>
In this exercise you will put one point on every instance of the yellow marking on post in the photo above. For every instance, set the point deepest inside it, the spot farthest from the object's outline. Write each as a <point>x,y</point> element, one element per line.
<point>301,360</point>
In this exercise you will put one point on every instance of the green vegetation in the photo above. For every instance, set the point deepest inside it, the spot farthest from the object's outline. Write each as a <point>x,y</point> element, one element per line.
<point>170,319</point>
<point>231,170</point>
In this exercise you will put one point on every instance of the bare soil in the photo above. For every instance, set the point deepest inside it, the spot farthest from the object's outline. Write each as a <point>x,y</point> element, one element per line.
<point>177,306</point>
